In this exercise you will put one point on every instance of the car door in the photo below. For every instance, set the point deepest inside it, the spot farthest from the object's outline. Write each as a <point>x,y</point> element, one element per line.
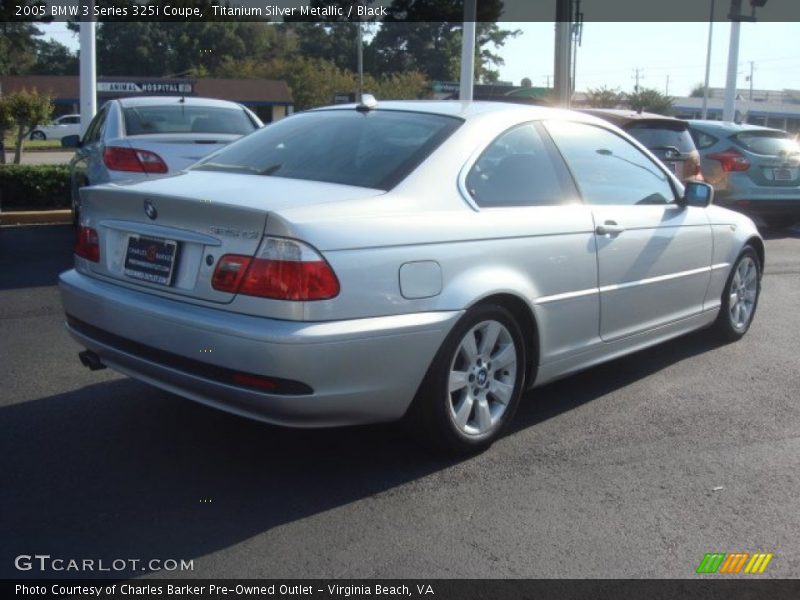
<point>653,255</point>
<point>519,183</point>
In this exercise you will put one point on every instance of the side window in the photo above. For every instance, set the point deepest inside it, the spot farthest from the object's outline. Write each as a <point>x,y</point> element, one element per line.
<point>607,168</point>
<point>72,120</point>
<point>516,169</point>
<point>702,140</point>
<point>95,127</point>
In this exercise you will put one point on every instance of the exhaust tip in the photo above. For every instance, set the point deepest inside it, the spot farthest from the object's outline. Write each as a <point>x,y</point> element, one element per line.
<point>91,360</point>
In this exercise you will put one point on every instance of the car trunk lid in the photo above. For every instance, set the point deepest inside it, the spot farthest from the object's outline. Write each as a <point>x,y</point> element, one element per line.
<point>774,157</point>
<point>166,235</point>
<point>179,150</point>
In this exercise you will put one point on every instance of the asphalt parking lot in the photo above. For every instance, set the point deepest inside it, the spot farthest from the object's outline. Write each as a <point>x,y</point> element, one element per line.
<point>633,469</point>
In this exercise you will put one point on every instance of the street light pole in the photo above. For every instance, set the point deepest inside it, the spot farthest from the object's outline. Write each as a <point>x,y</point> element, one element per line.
<point>88,68</point>
<point>704,114</point>
<point>360,61</point>
<point>467,52</point>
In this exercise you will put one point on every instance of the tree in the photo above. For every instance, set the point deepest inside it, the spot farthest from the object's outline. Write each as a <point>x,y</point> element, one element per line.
<point>649,100</point>
<point>398,86</point>
<point>54,58</point>
<point>27,108</point>
<point>604,97</point>
<point>17,37</point>
<point>697,91</point>
<point>426,37</point>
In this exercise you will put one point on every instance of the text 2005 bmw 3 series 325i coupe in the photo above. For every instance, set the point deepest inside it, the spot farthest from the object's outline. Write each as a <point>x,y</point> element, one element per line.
<point>432,260</point>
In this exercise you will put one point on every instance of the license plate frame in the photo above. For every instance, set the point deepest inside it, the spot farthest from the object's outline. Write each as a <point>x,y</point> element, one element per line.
<point>150,259</point>
<point>782,174</point>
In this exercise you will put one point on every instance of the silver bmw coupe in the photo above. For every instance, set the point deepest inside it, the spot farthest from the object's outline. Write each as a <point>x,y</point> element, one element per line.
<point>427,260</point>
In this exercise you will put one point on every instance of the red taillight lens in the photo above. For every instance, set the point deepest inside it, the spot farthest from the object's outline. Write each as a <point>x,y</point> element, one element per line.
<point>282,269</point>
<point>133,159</point>
<point>87,244</point>
<point>229,273</point>
<point>731,160</point>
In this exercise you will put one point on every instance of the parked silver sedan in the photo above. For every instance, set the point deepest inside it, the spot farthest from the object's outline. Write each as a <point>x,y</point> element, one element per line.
<point>137,138</point>
<point>431,260</point>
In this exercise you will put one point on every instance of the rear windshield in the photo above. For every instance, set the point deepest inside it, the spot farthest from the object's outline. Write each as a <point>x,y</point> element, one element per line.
<point>375,149</point>
<point>178,118</point>
<point>767,142</point>
<point>662,135</point>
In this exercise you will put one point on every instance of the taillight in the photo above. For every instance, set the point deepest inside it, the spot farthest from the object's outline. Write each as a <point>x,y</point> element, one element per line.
<point>282,269</point>
<point>229,273</point>
<point>731,160</point>
<point>87,244</point>
<point>133,159</point>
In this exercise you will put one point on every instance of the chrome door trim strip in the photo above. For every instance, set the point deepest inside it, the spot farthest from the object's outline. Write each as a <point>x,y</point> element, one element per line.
<point>627,284</point>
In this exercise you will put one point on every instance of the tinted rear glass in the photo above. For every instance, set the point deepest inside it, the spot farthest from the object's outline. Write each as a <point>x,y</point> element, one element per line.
<point>767,142</point>
<point>178,118</point>
<point>375,149</point>
<point>662,135</point>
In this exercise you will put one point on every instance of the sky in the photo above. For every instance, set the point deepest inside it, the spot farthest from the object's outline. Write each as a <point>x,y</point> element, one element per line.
<point>610,53</point>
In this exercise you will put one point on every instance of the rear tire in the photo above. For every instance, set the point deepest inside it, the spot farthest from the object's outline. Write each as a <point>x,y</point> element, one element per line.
<point>38,135</point>
<point>474,384</point>
<point>740,297</point>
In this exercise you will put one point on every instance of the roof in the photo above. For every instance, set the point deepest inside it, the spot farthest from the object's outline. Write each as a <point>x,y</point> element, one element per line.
<point>620,116</point>
<point>238,90</point>
<point>162,100</point>
<point>766,109</point>
<point>463,110</point>
<point>728,127</point>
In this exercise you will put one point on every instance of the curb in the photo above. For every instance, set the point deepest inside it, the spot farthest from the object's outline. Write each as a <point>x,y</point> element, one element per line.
<point>35,217</point>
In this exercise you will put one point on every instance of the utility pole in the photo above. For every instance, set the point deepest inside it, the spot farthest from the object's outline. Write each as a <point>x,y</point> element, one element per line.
<point>637,76</point>
<point>562,52</point>
<point>666,90</point>
<point>750,79</point>
<point>577,40</point>
<point>704,113</point>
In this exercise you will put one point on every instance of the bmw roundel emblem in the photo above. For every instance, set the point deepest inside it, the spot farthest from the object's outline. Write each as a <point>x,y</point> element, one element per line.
<point>150,210</point>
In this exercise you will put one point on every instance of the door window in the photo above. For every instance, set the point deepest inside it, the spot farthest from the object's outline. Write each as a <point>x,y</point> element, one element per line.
<point>95,127</point>
<point>607,168</point>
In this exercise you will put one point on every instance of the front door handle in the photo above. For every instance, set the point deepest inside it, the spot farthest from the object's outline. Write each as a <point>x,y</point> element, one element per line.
<point>609,228</point>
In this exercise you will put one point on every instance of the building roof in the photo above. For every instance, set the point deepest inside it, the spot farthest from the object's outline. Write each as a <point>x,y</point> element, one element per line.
<point>240,90</point>
<point>765,109</point>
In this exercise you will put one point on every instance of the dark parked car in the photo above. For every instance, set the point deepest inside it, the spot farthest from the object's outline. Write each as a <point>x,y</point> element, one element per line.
<point>755,170</point>
<point>667,138</point>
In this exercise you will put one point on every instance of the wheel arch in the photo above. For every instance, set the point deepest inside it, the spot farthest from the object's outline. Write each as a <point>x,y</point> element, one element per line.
<point>526,319</point>
<point>758,245</point>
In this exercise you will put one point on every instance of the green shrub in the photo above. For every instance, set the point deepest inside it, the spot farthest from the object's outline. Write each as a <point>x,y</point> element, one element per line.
<point>34,187</point>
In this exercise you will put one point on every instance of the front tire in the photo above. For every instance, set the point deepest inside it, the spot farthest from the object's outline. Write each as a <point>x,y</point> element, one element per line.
<point>474,384</point>
<point>38,135</point>
<point>740,296</point>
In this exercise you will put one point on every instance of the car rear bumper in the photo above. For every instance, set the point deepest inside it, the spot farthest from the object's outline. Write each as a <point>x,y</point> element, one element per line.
<point>325,373</point>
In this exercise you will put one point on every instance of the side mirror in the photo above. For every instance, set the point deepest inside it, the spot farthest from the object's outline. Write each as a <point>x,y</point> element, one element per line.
<point>697,193</point>
<point>71,141</point>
